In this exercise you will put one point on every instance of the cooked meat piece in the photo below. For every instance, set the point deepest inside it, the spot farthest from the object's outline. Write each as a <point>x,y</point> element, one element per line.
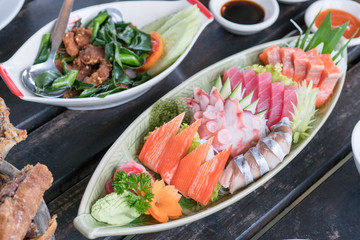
<point>58,65</point>
<point>91,55</point>
<point>70,93</point>
<point>21,204</point>
<point>70,45</point>
<point>49,231</point>
<point>9,135</point>
<point>3,179</point>
<point>101,74</point>
<point>84,70</point>
<point>83,36</point>
<point>32,232</point>
<point>123,85</point>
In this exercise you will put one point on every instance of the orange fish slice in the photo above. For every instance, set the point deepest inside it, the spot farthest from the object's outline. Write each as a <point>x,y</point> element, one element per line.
<point>157,141</point>
<point>209,173</point>
<point>189,166</point>
<point>175,150</point>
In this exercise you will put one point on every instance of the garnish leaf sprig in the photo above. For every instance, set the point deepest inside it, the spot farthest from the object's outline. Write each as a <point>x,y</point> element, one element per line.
<point>138,187</point>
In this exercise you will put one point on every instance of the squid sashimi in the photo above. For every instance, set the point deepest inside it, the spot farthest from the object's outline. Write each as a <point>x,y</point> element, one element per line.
<point>205,180</point>
<point>286,55</point>
<point>268,153</point>
<point>189,167</point>
<point>276,103</point>
<point>156,142</point>
<point>290,100</point>
<point>175,150</point>
<point>315,66</point>
<point>329,77</point>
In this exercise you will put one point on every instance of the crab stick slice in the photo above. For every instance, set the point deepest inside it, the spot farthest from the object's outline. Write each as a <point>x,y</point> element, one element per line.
<point>209,173</point>
<point>300,60</point>
<point>156,142</point>
<point>175,150</point>
<point>189,167</point>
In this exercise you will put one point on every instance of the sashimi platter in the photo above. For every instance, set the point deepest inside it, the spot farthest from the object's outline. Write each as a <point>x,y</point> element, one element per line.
<point>216,137</point>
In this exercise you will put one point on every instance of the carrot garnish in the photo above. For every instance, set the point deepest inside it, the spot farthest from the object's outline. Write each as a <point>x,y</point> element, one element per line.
<point>165,204</point>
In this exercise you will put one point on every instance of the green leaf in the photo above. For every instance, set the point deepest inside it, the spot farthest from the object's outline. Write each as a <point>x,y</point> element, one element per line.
<point>46,78</point>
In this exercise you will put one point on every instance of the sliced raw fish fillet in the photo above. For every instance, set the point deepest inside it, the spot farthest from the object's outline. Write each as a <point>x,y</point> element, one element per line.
<point>276,103</point>
<point>300,64</point>
<point>270,55</point>
<point>264,88</point>
<point>248,76</point>
<point>269,156</point>
<point>235,77</point>
<point>175,150</point>
<point>281,140</point>
<point>229,73</point>
<point>329,77</point>
<point>205,180</point>
<point>315,66</point>
<point>289,99</point>
<point>286,56</point>
<point>189,166</point>
<point>215,96</point>
<point>156,142</point>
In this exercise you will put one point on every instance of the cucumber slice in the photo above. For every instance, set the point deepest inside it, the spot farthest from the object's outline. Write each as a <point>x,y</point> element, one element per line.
<point>237,93</point>
<point>246,100</point>
<point>262,113</point>
<point>218,83</point>
<point>226,89</point>
<point>252,107</point>
<point>176,39</point>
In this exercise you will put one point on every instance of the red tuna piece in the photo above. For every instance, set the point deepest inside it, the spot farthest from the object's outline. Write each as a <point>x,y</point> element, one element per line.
<point>264,85</point>
<point>248,76</point>
<point>300,63</point>
<point>250,82</point>
<point>315,66</point>
<point>234,75</point>
<point>289,99</point>
<point>286,54</point>
<point>276,103</point>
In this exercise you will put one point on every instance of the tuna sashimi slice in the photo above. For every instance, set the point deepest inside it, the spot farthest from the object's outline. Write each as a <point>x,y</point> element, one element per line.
<point>209,173</point>
<point>175,150</point>
<point>248,76</point>
<point>276,103</point>
<point>234,75</point>
<point>329,77</point>
<point>189,167</point>
<point>250,83</point>
<point>314,67</point>
<point>286,55</point>
<point>300,63</point>
<point>270,55</point>
<point>289,99</point>
<point>156,142</point>
<point>264,88</point>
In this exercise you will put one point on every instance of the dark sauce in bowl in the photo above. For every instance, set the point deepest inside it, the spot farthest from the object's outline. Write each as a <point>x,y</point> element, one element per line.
<point>243,12</point>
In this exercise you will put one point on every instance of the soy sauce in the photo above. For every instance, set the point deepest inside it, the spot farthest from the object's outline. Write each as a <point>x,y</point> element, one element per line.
<point>243,12</point>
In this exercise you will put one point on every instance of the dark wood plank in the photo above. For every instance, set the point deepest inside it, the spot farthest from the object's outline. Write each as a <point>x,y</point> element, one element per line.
<point>330,212</point>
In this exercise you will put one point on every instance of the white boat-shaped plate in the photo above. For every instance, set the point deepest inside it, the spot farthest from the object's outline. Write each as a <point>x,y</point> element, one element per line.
<point>139,13</point>
<point>129,143</point>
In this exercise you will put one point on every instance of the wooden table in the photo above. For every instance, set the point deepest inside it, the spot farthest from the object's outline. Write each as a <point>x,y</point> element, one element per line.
<point>317,196</point>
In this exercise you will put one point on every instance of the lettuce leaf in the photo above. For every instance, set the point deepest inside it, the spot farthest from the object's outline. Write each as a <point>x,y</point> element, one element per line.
<point>276,75</point>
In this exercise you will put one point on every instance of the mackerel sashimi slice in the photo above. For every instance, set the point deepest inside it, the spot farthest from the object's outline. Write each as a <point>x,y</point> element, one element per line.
<point>264,87</point>
<point>209,173</point>
<point>276,103</point>
<point>289,99</point>
<point>175,150</point>
<point>189,167</point>
<point>286,55</point>
<point>156,142</point>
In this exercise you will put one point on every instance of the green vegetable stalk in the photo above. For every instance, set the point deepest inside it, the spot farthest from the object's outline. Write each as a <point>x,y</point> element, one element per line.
<point>65,81</point>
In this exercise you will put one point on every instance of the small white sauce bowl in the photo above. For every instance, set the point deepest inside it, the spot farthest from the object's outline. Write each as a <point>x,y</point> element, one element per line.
<point>351,7</point>
<point>355,145</point>
<point>271,9</point>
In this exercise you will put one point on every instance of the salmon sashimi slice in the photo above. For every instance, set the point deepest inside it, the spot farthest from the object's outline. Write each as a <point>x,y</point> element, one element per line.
<point>329,77</point>
<point>175,150</point>
<point>314,67</point>
<point>270,55</point>
<point>248,76</point>
<point>156,142</point>
<point>209,173</point>
<point>189,167</point>
<point>286,56</point>
<point>300,61</point>
<point>264,88</point>
<point>290,99</point>
<point>276,103</point>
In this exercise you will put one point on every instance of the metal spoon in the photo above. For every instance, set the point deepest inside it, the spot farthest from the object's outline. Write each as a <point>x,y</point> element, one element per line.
<point>30,73</point>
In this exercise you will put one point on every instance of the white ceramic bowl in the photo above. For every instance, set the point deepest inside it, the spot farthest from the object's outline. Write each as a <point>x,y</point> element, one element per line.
<point>271,8</point>
<point>139,13</point>
<point>292,1</point>
<point>351,7</point>
<point>355,145</point>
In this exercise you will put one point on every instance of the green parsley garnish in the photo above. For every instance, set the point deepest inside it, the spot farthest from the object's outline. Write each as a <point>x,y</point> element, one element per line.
<point>139,188</point>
